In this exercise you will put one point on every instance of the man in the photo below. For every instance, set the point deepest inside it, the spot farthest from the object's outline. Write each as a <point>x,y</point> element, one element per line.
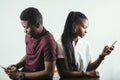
<point>39,61</point>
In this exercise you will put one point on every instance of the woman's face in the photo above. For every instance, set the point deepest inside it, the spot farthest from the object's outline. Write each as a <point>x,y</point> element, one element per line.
<point>80,29</point>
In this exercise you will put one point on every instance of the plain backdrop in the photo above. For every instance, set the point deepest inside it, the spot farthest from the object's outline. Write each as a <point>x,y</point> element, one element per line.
<point>104,29</point>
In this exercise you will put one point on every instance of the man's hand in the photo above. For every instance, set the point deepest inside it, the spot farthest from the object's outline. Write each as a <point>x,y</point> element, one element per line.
<point>13,75</point>
<point>12,71</point>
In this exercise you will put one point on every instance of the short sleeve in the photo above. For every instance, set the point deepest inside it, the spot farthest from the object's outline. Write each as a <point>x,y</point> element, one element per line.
<point>50,50</point>
<point>60,50</point>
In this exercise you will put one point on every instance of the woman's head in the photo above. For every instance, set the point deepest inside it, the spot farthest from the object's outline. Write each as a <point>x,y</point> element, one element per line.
<point>76,24</point>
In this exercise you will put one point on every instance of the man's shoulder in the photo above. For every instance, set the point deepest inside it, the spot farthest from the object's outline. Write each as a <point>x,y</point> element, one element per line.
<point>48,38</point>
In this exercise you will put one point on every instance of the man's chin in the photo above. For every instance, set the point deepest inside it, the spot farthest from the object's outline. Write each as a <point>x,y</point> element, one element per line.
<point>29,35</point>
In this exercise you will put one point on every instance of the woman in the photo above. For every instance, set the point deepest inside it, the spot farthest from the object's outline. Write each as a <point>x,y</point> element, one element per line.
<point>73,52</point>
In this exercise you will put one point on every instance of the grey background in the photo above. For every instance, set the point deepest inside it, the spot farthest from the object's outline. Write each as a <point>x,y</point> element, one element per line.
<point>104,29</point>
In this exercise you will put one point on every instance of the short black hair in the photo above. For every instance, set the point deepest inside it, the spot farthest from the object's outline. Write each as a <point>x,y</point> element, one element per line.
<point>32,15</point>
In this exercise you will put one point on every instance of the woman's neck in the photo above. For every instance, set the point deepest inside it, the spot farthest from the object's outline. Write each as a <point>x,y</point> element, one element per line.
<point>75,40</point>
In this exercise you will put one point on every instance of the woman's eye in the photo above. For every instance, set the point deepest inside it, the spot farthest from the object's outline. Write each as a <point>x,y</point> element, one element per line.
<point>85,27</point>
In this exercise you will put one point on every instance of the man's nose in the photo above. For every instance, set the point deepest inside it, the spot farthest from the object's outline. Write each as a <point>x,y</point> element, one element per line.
<point>25,31</point>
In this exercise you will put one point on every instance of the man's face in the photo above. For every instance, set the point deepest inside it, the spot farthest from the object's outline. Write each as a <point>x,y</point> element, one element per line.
<point>29,30</point>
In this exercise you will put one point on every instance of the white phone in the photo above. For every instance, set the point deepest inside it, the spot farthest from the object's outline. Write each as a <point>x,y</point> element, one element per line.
<point>113,43</point>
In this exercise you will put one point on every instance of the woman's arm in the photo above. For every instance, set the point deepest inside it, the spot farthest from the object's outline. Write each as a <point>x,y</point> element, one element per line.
<point>94,65</point>
<point>63,72</point>
<point>107,50</point>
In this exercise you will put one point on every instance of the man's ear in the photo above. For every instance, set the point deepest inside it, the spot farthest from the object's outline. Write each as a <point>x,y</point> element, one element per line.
<point>37,25</point>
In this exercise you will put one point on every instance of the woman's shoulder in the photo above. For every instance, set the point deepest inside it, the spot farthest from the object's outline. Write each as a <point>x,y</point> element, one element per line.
<point>60,50</point>
<point>59,42</point>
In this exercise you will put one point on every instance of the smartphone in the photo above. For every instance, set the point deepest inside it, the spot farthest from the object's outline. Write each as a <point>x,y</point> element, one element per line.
<point>2,67</point>
<point>113,43</point>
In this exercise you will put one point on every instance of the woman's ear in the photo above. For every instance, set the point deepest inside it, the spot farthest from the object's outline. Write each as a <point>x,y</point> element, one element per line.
<point>74,27</point>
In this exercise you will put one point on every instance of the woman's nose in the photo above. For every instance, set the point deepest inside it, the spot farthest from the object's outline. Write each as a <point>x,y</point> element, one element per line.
<point>85,31</point>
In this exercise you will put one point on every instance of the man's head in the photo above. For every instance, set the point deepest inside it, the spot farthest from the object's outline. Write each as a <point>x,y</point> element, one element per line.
<point>32,15</point>
<point>31,20</point>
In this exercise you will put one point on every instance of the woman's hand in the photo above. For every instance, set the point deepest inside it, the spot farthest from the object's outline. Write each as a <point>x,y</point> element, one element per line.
<point>92,73</point>
<point>107,50</point>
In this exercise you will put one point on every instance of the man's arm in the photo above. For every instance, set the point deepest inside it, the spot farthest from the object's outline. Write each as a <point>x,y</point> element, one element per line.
<point>14,68</point>
<point>46,73</point>
<point>21,63</point>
